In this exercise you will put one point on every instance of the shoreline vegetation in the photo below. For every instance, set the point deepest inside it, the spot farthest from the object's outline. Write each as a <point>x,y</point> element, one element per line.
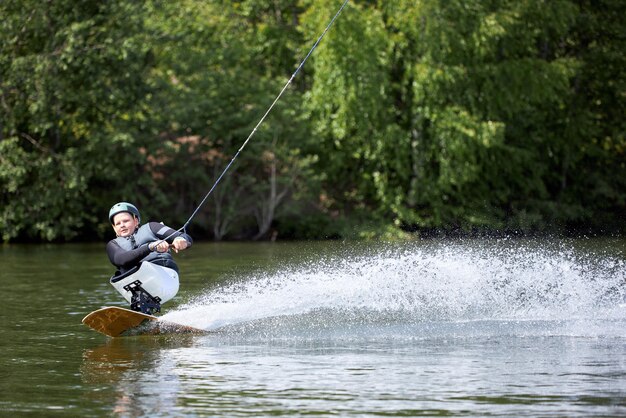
<point>411,119</point>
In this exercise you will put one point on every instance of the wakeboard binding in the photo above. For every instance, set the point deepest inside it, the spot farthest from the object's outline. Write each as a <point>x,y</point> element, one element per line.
<point>141,300</point>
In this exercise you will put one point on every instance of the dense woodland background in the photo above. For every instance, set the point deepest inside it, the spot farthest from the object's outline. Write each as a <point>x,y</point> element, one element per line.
<point>412,117</point>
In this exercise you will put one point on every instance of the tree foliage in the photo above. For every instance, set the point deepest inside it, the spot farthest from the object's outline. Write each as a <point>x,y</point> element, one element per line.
<point>474,116</point>
<point>70,75</point>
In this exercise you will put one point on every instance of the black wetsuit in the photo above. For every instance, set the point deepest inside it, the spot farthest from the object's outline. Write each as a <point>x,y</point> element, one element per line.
<point>126,253</point>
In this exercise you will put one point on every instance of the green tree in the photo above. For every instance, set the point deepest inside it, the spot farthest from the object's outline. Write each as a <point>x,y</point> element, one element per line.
<point>488,84</point>
<point>352,110</point>
<point>70,75</point>
<point>219,66</point>
<point>591,174</point>
<point>459,115</point>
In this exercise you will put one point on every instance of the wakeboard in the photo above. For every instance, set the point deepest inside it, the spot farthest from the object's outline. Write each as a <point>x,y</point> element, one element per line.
<point>120,322</point>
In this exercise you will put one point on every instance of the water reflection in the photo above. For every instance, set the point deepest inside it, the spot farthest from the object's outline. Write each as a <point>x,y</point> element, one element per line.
<point>136,375</point>
<point>226,374</point>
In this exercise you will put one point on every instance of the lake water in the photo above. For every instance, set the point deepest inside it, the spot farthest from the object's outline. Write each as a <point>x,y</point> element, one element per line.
<point>452,328</point>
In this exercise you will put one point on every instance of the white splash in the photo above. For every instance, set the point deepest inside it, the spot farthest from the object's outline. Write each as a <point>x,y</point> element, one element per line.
<point>444,282</point>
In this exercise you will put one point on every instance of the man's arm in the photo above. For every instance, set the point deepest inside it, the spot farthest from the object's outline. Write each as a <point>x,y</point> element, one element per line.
<point>164,231</point>
<point>125,259</point>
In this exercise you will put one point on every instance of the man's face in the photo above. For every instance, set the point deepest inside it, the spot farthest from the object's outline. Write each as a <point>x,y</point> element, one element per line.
<point>124,224</point>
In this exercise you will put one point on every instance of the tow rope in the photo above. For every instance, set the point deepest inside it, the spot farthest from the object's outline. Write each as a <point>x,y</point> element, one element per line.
<point>184,227</point>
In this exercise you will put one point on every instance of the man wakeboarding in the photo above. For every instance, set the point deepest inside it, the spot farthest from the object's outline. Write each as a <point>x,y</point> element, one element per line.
<point>146,275</point>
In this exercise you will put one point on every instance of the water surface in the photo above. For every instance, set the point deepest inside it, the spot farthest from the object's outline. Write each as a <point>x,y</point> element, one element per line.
<point>461,328</point>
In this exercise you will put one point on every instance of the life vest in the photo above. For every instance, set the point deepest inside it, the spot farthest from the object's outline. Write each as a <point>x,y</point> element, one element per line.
<point>142,236</point>
<point>157,273</point>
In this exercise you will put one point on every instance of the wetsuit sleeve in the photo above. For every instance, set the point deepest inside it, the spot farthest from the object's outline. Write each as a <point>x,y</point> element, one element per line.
<point>164,231</point>
<point>126,259</point>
